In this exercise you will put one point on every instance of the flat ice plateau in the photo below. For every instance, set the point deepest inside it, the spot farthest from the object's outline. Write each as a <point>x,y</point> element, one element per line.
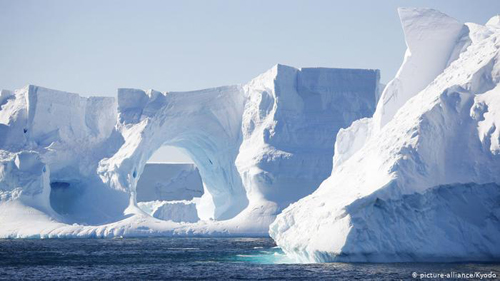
<point>420,181</point>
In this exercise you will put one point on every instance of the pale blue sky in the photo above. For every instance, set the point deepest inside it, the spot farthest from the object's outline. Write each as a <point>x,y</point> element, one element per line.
<point>94,47</point>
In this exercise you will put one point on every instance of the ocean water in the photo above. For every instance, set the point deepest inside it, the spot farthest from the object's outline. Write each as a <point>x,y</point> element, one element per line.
<point>189,259</point>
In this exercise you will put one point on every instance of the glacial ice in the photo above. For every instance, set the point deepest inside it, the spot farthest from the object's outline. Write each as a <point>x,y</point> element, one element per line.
<point>176,211</point>
<point>70,166</point>
<point>414,176</point>
<point>169,182</point>
<point>420,180</point>
<point>169,191</point>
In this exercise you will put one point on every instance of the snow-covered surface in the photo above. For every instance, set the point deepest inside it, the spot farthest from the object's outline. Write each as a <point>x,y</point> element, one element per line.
<point>420,181</point>
<point>70,166</point>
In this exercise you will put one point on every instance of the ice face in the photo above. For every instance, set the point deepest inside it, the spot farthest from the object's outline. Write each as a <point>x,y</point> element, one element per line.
<point>176,211</point>
<point>258,147</point>
<point>289,127</point>
<point>169,182</point>
<point>431,38</point>
<point>419,185</point>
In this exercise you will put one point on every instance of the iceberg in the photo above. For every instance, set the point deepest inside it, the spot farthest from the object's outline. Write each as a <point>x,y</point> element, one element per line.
<point>169,182</point>
<point>176,211</point>
<point>420,180</point>
<point>72,166</point>
<point>169,191</point>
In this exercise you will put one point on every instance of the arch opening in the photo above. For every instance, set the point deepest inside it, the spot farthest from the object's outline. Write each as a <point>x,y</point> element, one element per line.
<point>171,187</point>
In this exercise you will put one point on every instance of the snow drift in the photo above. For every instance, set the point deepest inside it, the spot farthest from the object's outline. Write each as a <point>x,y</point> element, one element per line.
<point>70,166</point>
<point>420,180</point>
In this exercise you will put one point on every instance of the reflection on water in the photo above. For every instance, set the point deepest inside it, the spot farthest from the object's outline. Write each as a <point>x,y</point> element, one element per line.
<point>272,255</point>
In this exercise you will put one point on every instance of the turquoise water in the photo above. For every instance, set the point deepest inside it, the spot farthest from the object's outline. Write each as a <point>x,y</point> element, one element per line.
<point>188,259</point>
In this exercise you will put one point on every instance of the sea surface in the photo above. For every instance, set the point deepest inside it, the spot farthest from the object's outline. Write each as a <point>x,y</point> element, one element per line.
<point>190,259</point>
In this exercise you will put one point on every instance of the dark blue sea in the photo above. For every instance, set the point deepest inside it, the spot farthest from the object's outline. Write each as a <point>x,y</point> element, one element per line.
<point>189,259</point>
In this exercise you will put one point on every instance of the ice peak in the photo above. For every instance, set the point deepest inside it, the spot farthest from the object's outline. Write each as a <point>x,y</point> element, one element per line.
<point>494,21</point>
<point>280,69</point>
<point>422,14</point>
<point>423,24</point>
<point>431,38</point>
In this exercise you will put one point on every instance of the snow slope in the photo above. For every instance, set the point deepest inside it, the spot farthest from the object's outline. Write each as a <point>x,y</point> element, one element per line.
<point>70,166</point>
<point>420,180</point>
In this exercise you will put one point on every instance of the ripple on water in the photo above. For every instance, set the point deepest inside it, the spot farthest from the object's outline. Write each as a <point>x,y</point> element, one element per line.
<point>187,258</point>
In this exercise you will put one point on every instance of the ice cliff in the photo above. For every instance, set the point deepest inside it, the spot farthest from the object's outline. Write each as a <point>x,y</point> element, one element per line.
<point>420,181</point>
<point>70,166</point>
<point>414,177</point>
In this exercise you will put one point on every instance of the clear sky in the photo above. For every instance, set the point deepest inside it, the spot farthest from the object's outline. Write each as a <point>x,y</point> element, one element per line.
<point>94,47</point>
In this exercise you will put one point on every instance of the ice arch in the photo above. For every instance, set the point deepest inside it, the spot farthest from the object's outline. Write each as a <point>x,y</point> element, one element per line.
<point>258,147</point>
<point>206,124</point>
